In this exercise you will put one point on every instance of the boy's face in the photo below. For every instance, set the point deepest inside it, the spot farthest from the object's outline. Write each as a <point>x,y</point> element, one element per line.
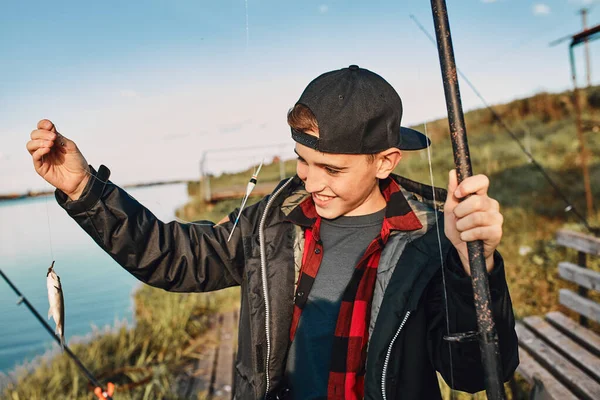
<point>340,184</point>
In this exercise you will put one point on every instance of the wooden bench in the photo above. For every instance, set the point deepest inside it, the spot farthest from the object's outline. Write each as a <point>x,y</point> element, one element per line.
<point>561,357</point>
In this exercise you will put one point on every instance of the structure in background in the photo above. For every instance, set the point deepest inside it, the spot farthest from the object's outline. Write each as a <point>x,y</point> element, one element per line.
<point>219,161</point>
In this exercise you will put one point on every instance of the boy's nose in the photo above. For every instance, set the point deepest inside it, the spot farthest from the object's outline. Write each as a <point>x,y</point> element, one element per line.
<point>313,182</point>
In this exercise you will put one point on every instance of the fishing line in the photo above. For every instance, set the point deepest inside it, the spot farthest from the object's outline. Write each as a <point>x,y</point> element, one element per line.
<point>531,159</point>
<point>247,26</point>
<point>437,228</point>
<point>49,228</point>
<point>23,299</point>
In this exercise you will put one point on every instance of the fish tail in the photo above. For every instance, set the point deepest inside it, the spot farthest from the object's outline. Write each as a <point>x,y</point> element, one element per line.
<point>59,332</point>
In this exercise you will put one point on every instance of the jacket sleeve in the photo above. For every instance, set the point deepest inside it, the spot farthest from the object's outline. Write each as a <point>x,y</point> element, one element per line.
<point>464,370</point>
<point>173,256</point>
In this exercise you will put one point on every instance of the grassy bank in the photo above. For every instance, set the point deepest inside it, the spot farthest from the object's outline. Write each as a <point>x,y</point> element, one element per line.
<point>169,327</point>
<point>144,361</point>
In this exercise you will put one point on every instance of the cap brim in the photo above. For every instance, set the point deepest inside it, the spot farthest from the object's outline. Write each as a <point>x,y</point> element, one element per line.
<point>412,140</point>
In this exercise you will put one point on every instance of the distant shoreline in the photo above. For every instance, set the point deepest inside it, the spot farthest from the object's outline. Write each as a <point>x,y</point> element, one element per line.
<point>33,193</point>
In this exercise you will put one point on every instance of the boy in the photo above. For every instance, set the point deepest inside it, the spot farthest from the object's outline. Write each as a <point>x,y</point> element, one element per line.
<point>341,269</point>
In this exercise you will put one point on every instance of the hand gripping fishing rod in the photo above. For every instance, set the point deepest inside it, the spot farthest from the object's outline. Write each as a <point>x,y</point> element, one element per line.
<point>487,335</point>
<point>98,391</point>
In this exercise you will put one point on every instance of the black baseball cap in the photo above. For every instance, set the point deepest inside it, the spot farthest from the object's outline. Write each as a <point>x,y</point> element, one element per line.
<point>358,112</point>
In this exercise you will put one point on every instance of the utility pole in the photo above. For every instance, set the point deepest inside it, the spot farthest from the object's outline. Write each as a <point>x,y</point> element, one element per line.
<point>584,12</point>
<point>577,39</point>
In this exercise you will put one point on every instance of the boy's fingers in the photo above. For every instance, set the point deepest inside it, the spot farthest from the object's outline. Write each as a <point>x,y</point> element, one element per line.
<point>47,131</point>
<point>482,233</point>
<point>479,218</point>
<point>46,125</point>
<point>452,181</point>
<point>38,154</point>
<point>34,145</point>
<point>43,134</point>
<point>473,204</point>
<point>474,184</point>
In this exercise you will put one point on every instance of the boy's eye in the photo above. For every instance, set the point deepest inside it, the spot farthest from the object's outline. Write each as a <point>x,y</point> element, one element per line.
<point>301,160</point>
<point>332,171</point>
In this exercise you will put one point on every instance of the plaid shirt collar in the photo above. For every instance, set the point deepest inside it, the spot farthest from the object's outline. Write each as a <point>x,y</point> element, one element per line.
<point>399,216</point>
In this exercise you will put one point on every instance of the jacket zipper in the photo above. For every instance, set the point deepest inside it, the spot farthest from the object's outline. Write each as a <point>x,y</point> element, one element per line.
<point>263,271</point>
<point>388,355</point>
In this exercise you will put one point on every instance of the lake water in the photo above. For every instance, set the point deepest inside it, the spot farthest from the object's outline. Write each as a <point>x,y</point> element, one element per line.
<point>97,291</point>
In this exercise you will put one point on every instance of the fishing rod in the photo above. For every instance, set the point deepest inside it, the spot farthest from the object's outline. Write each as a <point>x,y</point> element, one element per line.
<point>99,391</point>
<point>487,335</point>
<point>570,207</point>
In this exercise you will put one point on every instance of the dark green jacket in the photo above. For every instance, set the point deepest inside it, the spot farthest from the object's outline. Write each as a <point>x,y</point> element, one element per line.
<point>406,344</point>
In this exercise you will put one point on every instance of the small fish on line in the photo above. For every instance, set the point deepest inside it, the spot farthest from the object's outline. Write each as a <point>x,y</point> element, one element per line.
<point>57,303</point>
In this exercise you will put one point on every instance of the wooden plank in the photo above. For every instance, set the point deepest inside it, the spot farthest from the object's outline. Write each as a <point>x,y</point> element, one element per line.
<point>572,377</point>
<point>585,337</point>
<point>579,356</point>
<point>581,276</point>
<point>224,370</point>
<point>579,241</point>
<point>581,305</point>
<point>197,377</point>
<point>529,368</point>
<point>200,387</point>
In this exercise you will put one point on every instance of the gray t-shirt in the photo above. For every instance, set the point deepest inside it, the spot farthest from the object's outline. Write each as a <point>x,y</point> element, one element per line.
<point>345,240</point>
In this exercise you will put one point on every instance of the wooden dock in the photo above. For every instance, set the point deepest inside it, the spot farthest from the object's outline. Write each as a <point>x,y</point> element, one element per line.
<point>211,376</point>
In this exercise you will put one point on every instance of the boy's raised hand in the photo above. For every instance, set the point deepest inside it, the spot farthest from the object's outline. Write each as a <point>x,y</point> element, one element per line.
<point>475,218</point>
<point>58,160</point>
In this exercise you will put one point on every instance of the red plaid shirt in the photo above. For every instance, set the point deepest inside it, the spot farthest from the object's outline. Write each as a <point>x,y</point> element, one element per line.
<point>349,351</point>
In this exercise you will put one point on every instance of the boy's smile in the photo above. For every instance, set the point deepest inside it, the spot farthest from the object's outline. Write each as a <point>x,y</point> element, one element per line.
<point>321,200</point>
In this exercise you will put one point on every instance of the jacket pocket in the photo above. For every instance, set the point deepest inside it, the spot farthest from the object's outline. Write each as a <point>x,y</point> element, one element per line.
<point>243,387</point>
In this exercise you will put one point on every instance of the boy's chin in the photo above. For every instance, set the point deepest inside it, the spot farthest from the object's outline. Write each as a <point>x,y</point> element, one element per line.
<point>328,213</point>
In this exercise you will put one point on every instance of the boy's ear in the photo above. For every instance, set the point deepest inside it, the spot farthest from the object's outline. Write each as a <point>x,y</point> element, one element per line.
<point>387,161</point>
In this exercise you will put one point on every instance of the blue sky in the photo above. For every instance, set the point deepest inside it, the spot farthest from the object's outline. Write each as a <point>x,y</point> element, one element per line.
<point>146,87</point>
